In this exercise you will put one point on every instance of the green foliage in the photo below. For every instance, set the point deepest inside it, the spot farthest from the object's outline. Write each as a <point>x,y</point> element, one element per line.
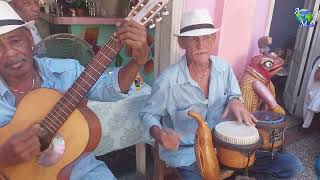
<point>79,3</point>
<point>118,61</point>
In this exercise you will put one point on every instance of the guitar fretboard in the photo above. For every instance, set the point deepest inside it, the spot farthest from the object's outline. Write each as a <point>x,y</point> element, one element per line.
<point>74,95</point>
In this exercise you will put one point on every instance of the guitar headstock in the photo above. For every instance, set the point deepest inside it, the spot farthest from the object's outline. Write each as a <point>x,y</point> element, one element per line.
<point>145,11</point>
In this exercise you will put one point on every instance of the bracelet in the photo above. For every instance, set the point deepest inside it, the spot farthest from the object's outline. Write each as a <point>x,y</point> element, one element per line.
<point>240,98</point>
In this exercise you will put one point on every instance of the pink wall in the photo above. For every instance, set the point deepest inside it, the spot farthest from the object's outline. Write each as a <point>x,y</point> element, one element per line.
<point>260,20</point>
<point>200,4</point>
<point>242,23</point>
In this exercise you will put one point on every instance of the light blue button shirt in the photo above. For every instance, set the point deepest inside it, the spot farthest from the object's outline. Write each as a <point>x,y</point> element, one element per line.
<point>60,74</point>
<point>175,93</point>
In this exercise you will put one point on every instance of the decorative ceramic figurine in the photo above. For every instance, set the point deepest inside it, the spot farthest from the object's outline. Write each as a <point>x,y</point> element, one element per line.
<point>257,89</point>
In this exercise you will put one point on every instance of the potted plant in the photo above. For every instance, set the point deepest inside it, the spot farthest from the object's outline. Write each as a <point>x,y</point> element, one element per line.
<point>80,6</point>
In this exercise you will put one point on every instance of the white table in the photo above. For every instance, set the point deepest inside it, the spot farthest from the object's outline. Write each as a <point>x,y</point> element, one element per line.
<point>121,125</point>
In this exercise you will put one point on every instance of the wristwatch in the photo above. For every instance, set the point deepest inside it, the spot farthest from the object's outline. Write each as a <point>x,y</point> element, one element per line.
<point>240,98</point>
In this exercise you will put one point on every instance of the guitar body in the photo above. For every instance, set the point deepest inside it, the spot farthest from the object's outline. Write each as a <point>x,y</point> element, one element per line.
<point>75,131</point>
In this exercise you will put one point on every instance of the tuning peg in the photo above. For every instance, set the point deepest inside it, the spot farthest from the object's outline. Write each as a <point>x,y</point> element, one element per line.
<point>158,17</point>
<point>152,24</point>
<point>141,5</point>
<point>165,11</point>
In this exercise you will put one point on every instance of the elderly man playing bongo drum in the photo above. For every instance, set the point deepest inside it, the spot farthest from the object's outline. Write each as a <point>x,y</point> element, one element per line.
<point>206,84</point>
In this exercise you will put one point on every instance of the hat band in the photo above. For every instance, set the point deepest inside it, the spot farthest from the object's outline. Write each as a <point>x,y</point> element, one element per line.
<point>196,26</point>
<point>7,22</point>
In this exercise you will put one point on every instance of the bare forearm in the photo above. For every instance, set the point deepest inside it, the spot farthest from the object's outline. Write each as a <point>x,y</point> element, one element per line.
<point>265,94</point>
<point>127,75</point>
<point>134,36</point>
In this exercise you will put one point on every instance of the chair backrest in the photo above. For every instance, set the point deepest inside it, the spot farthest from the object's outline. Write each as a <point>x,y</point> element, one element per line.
<point>64,46</point>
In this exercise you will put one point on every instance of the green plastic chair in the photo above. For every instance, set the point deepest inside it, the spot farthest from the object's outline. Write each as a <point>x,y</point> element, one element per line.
<point>64,46</point>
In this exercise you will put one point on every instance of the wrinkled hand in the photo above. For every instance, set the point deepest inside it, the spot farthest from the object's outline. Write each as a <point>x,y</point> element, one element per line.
<point>169,139</point>
<point>236,108</point>
<point>134,36</point>
<point>20,147</point>
<point>317,75</point>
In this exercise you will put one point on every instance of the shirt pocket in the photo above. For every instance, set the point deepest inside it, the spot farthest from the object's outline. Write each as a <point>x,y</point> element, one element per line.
<point>220,100</point>
<point>185,125</point>
<point>216,108</point>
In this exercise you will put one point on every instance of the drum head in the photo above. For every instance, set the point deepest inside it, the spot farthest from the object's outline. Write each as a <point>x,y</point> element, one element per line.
<point>236,133</point>
<point>269,118</point>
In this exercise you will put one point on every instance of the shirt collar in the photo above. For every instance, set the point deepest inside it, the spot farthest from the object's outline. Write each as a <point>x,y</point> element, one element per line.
<point>46,71</point>
<point>184,74</point>
<point>48,67</point>
<point>3,87</point>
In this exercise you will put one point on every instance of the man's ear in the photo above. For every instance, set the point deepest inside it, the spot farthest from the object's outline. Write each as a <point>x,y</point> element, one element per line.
<point>180,41</point>
<point>214,36</point>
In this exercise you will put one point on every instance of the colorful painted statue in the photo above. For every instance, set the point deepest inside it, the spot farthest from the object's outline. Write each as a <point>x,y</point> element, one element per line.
<point>257,89</point>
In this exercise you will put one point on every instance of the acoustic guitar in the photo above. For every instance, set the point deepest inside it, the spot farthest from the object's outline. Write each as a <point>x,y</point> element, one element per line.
<point>69,131</point>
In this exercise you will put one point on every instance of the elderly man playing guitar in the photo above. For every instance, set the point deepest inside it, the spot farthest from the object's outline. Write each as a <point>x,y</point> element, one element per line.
<point>21,73</point>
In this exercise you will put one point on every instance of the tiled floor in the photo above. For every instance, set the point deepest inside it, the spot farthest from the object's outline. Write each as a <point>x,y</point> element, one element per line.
<point>305,144</point>
<point>306,150</point>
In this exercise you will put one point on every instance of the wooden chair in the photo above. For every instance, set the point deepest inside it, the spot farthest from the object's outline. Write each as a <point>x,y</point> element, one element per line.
<point>161,172</point>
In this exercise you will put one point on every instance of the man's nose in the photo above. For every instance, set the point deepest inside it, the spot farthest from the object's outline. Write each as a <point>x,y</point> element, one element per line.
<point>200,43</point>
<point>35,7</point>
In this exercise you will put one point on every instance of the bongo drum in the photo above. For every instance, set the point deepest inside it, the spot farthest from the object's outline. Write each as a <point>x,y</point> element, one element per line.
<point>271,127</point>
<point>236,144</point>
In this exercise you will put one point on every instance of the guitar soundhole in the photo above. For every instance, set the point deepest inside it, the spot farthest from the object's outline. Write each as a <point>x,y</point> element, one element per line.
<point>45,139</point>
<point>53,153</point>
<point>45,143</point>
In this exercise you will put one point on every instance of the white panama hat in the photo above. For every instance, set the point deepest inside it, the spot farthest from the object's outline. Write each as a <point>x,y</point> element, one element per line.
<point>10,20</point>
<point>196,23</point>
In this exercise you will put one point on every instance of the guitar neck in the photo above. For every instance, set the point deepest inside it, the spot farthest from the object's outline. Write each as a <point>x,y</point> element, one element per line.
<point>74,95</point>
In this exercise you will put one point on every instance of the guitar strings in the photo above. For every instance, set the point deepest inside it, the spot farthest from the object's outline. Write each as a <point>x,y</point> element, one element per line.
<point>48,120</point>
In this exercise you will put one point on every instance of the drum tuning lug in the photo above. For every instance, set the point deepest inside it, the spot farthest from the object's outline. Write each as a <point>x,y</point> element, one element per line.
<point>165,11</point>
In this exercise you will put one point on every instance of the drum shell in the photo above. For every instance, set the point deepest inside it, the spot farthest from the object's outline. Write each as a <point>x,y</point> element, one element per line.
<point>268,123</point>
<point>234,159</point>
<point>266,134</point>
<point>236,156</point>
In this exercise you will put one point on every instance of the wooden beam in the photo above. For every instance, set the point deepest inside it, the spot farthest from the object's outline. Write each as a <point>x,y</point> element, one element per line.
<point>167,50</point>
<point>270,15</point>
